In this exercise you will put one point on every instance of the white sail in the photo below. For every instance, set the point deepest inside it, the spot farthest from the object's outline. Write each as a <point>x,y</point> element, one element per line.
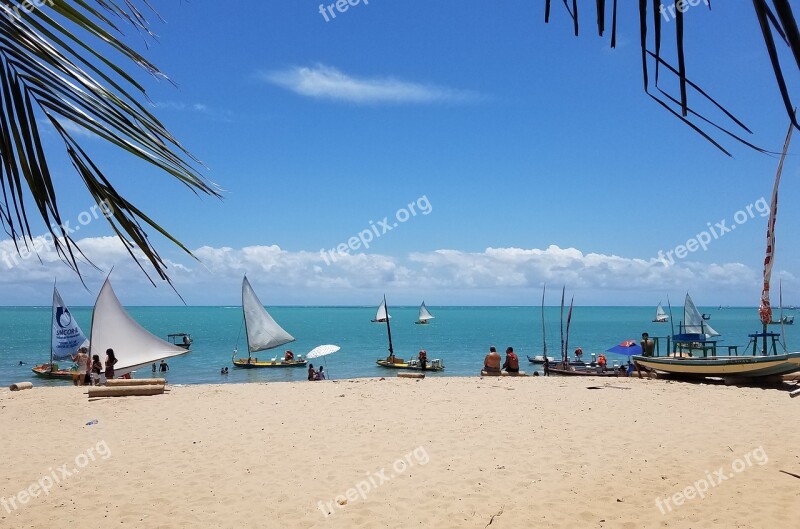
<point>381,314</point>
<point>113,328</point>
<point>262,331</point>
<point>661,315</point>
<point>693,322</point>
<point>424,315</point>
<point>66,335</point>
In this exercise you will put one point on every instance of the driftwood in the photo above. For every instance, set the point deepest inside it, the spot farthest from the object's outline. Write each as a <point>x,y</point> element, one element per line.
<point>125,391</point>
<point>795,393</point>
<point>503,374</point>
<point>411,375</point>
<point>19,386</point>
<point>135,382</point>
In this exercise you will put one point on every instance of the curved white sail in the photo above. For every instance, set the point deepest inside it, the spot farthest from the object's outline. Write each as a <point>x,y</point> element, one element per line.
<point>66,335</point>
<point>424,315</point>
<point>381,314</point>
<point>113,328</point>
<point>661,315</point>
<point>262,331</point>
<point>693,322</point>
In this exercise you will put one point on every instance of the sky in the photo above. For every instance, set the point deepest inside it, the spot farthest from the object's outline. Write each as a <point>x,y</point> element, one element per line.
<point>481,151</point>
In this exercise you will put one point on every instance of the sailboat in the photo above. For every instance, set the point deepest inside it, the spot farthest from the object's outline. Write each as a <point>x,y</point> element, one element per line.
<point>66,337</point>
<point>661,315</point>
<point>381,316</point>
<point>424,315</point>
<point>782,319</point>
<point>134,346</point>
<point>392,361</point>
<point>695,333</point>
<point>263,333</point>
<point>541,359</point>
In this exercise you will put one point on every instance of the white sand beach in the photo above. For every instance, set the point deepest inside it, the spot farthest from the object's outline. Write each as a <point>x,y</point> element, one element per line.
<point>440,452</point>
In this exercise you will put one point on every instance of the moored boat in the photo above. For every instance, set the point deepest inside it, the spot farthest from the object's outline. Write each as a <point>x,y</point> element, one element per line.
<point>696,335</point>
<point>661,315</point>
<point>392,362</point>
<point>382,315</point>
<point>263,333</point>
<point>66,337</point>
<point>424,315</point>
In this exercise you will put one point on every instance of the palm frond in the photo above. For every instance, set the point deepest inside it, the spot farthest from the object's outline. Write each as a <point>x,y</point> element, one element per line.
<point>781,22</point>
<point>55,68</point>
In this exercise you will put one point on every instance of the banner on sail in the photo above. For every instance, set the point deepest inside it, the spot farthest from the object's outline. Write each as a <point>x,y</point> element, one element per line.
<point>67,335</point>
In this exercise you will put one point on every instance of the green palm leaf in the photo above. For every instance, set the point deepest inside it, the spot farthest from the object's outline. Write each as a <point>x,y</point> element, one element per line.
<point>54,67</point>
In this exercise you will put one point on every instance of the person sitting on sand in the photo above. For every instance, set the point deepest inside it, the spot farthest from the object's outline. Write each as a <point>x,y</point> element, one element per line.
<point>491,363</point>
<point>312,375</point>
<point>512,361</point>
<point>320,375</point>
<point>601,361</point>
<point>288,357</point>
<point>648,345</point>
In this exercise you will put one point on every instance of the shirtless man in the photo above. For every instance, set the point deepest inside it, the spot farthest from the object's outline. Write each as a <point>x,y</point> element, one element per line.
<point>512,361</point>
<point>491,363</point>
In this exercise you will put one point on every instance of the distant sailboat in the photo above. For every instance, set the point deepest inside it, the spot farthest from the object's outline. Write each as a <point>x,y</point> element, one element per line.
<point>66,337</point>
<point>394,362</point>
<point>134,346</point>
<point>424,315</point>
<point>381,316</point>
<point>661,315</point>
<point>263,333</point>
<point>694,322</point>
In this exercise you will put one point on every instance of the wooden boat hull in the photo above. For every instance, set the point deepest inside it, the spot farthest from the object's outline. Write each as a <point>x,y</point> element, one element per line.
<point>406,365</point>
<point>538,361</point>
<point>723,366</point>
<point>587,372</point>
<point>421,322</point>
<point>255,364</point>
<point>44,371</point>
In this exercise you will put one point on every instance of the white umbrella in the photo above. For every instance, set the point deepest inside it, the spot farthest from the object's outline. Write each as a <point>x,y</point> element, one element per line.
<point>322,351</point>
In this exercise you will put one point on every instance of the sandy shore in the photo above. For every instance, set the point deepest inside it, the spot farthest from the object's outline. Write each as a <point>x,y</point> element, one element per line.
<point>446,452</point>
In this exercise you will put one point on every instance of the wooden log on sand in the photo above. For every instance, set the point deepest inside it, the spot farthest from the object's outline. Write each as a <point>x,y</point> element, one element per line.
<point>135,382</point>
<point>19,386</point>
<point>126,391</point>
<point>411,375</point>
<point>795,393</point>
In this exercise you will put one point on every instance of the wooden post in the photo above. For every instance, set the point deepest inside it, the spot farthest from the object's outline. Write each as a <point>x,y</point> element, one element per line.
<point>125,391</point>
<point>795,393</point>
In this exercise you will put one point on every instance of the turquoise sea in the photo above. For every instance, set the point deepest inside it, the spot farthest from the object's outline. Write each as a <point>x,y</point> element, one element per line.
<point>460,336</point>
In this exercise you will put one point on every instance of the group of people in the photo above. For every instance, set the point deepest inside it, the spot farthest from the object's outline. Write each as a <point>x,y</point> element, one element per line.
<point>88,369</point>
<point>491,364</point>
<point>314,374</point>
<point>163,367</point>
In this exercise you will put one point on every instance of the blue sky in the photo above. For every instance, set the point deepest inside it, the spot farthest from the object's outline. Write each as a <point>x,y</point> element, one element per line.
<point>540,156</point>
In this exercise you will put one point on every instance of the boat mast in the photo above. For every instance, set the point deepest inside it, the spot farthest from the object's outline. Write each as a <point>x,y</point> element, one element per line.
<point>244,317</point>
<point>569,319</point>
<point>765,311</point>
<point>544,336</point>
<point>52,318</point>
<point>388,327</point>
<point>563,351</point>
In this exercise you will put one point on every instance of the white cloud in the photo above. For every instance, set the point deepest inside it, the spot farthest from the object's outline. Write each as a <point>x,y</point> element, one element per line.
<point>325,82</point>
<point>497,275</point>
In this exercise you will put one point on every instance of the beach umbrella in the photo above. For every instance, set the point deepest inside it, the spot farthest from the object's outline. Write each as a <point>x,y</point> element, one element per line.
<point>322,351</point>
<point>626,348</point>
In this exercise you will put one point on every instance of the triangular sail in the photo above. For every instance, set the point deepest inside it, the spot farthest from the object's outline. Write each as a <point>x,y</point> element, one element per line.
<point>133,345</point>
<point>693,322</point>
<point>66,335</point>
<point>661,314</point>
<point>381,314</point>
<point>262,331</point>
<point>424,315</point>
